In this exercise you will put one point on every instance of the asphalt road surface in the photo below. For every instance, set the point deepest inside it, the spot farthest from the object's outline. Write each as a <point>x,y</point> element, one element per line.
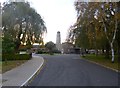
<point>71,70</point>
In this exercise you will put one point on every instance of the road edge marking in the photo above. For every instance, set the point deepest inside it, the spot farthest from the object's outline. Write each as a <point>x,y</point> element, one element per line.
<point>102,65</point>
<point>25,83</point>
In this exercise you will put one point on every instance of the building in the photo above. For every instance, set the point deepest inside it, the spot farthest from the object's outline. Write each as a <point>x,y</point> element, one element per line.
<point>58,41</point>
<point>67,48</point>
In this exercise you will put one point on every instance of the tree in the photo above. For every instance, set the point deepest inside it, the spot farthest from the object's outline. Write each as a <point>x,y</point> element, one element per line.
<point>117,35</point>
<point>109,18</point>
<point>22,22</point>
<point>50,46</point>
<point>7,44</point>
<point>97,22</point>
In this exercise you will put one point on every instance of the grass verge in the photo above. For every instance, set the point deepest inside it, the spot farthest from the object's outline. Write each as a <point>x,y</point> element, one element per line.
<point>11,64</point>
<point>103,61</point>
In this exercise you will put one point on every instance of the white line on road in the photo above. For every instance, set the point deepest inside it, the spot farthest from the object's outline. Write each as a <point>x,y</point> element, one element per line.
<point>102,65</point>
<point>32,74</point>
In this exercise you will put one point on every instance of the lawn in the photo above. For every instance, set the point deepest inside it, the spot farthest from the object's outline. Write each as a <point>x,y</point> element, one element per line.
<point>102,60</point>
<point>11,64</point>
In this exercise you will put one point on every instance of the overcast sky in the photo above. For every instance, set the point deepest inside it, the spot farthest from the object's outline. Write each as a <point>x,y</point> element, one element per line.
<point>58,16</point>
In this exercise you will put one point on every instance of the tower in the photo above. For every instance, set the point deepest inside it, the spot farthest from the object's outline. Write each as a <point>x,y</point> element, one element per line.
<point>58,41</point>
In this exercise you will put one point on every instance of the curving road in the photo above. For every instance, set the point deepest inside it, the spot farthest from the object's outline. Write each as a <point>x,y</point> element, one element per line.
<point>71,70</point>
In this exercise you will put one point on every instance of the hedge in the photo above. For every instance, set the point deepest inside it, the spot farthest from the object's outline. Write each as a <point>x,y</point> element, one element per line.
<point>41,52</point>
<point>16,57</point>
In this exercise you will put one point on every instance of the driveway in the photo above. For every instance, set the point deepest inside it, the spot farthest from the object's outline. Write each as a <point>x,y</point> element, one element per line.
<point>72,70</point>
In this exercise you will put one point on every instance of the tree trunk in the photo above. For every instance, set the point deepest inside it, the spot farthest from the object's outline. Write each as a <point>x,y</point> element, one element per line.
<point>103,51</point>
<point>112,51</point>
<point>118,41</point>
<point>107,47</point>
<point>119,54</point>
<point>18,41</point>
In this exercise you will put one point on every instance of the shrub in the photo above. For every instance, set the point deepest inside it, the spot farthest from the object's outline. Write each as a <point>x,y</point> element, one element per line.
<point>16,57</point>
<point>0,58</point>
<point>42,52</point>
<point>56,51</point>
<point>39,52</point>
<point>22,56</point>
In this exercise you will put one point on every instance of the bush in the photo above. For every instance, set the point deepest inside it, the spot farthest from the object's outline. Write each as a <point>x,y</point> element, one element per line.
<point>42,52</point>
<point>56,51</point>
<point>23,56</point>
<point>16,57</point>
<point>0,58</point>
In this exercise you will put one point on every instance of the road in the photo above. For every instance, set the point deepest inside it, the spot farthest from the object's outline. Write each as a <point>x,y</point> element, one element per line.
<point>71,70</point>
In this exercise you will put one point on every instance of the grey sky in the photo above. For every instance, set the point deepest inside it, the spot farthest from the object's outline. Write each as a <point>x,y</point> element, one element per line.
<point>58,16</point>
